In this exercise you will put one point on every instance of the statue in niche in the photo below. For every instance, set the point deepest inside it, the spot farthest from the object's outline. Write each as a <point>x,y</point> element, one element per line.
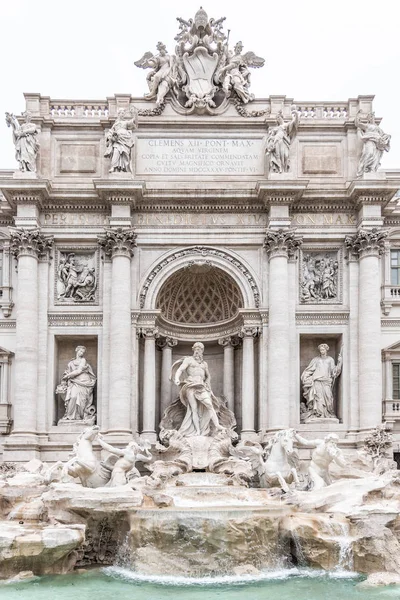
<point>318,380</point>
<point>124,469</point>
<point>76,389</point>
<point>319,279</point>
<point>195,394</point>
<point>160,80</point>
<point>25,138</point>
<point>120,140</point>
<point>235,75</point>
<point>278,143</point>
<point>375,143</point>
<point>76,280</point>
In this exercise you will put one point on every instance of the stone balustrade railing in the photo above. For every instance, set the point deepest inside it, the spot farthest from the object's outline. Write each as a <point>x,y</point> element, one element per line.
<point>44,106</point>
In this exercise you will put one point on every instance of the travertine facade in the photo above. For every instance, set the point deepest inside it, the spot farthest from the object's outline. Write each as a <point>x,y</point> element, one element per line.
<point>137,240</point>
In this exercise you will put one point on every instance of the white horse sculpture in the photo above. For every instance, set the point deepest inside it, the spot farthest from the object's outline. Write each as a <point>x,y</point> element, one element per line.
<point>84,464</point>
<point>276,464</point>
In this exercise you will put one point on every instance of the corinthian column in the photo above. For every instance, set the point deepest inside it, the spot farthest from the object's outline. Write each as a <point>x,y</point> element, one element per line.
<point>280,245</point>
<point>27,246</point>
<point>368,246</point>
<point>149,384</point>
<point>118,244</point>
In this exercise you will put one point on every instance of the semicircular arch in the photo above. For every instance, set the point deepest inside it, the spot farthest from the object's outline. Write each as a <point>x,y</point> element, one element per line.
<point>173,261</point>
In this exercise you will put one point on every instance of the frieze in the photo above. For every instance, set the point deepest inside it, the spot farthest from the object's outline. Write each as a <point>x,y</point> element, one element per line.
<point>75,319</point>
<point>77,219</point>
<point>7,324</point>
<point>319,219</point>
<point>322,318</point>
<point>192,219</point>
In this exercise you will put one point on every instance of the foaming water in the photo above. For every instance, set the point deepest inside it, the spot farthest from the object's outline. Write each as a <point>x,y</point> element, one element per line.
<point>224,580</point>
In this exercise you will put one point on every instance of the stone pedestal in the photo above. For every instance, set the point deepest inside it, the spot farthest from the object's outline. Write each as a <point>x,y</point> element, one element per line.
<point>118,244</point>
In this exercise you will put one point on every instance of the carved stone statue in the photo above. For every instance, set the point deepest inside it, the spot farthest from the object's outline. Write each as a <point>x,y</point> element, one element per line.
<point>125,469</point>
<point>203,71</point>
<point>76,388</point>
<point>326,451</point>
<point>319,278</point>
<point>120,140</point>
<point>76,280</point>
<point>25,141</point>
<point>84,464</point>
<point>375,143</point>
<point>161,78</point>
<point>318,380</point>
<point>235,75</point>
<point>192,376</point>
<point>279,139</point>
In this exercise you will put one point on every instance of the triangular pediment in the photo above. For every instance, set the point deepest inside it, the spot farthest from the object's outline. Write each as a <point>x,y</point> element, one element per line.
<point>5,352</point>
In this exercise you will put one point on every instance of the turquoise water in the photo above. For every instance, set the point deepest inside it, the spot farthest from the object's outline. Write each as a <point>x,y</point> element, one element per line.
<point>121,584</point>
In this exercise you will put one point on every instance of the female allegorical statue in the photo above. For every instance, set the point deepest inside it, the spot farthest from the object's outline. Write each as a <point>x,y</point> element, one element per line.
<point>25,141</point>
<point>375,143</point>
<point>119,140</point>
<point>77,385</point>
<point>318,380</point>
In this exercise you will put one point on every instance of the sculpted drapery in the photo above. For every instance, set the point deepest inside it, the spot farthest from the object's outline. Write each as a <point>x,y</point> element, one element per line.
<point>318,379</point>
<point>77,384</point>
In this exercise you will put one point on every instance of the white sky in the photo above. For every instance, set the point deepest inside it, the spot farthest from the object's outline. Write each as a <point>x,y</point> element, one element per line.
<point>314,50</point>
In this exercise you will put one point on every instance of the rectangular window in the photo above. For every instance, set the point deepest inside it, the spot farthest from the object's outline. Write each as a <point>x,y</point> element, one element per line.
<point>395,267</point>
<point>396,381</point>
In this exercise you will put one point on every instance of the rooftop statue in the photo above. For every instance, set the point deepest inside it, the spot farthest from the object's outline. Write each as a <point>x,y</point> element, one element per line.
<point>375,143</point>
<point>120,140</point>
<point>25,141</point>
<point>279,139</point>
<point>203,71</point>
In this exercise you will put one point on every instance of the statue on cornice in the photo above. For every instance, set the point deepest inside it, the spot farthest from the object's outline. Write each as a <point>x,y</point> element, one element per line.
<point>120,140</point>
<point>278,143</point>
<point>161,78</point>
<point>318,379</point>
<point>203,71</point>
<point>375,143</point>
<point>25,141</point>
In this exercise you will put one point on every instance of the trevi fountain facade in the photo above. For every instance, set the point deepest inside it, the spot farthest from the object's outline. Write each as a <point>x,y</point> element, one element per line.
<point>200,327</point>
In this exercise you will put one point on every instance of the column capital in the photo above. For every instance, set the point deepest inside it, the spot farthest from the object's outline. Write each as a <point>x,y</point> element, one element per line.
<point>166,342</point>
<point>118,242</point>
<point>149,333</point>
<point>29,242</point>
<point>366,242</point>
<point>249,331</point>
<point>231,340</point>
<point>282,242</point>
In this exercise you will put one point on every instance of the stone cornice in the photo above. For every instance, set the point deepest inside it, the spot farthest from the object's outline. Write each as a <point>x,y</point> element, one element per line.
<point>29,242</point>
<point>118,242</point>
<point>369,190</point>
<point>117,190</point>
<point>282,242</point>
<point>25,191</point>
<point>280,191</point>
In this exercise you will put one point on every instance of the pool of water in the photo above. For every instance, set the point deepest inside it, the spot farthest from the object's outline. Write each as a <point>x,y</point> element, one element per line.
<point>122,584</point>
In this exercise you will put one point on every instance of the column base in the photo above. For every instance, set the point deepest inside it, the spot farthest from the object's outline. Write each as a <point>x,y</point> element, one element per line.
<point>251,436</point>
<point>21,447</point>
<point>148,436</point>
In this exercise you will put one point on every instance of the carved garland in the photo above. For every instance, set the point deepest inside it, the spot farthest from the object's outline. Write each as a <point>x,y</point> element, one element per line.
<point>203,251</point>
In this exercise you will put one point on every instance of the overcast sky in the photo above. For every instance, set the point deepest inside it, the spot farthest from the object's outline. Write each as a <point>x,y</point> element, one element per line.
<point>314,50</point>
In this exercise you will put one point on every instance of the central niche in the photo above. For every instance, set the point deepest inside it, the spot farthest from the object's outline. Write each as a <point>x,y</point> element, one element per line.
<point>199,294</point>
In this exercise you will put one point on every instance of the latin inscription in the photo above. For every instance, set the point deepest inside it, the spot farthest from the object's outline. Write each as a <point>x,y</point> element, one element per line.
<point>198,219</point>
<point>202,156</point>
<point>324,219</point>
<point>83,219</point>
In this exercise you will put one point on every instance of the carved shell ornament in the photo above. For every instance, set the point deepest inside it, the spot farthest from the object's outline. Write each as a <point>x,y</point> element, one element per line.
<point>203,74</point>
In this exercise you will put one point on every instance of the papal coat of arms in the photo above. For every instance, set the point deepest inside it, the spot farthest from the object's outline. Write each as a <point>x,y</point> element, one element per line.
<point>203,72</point>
